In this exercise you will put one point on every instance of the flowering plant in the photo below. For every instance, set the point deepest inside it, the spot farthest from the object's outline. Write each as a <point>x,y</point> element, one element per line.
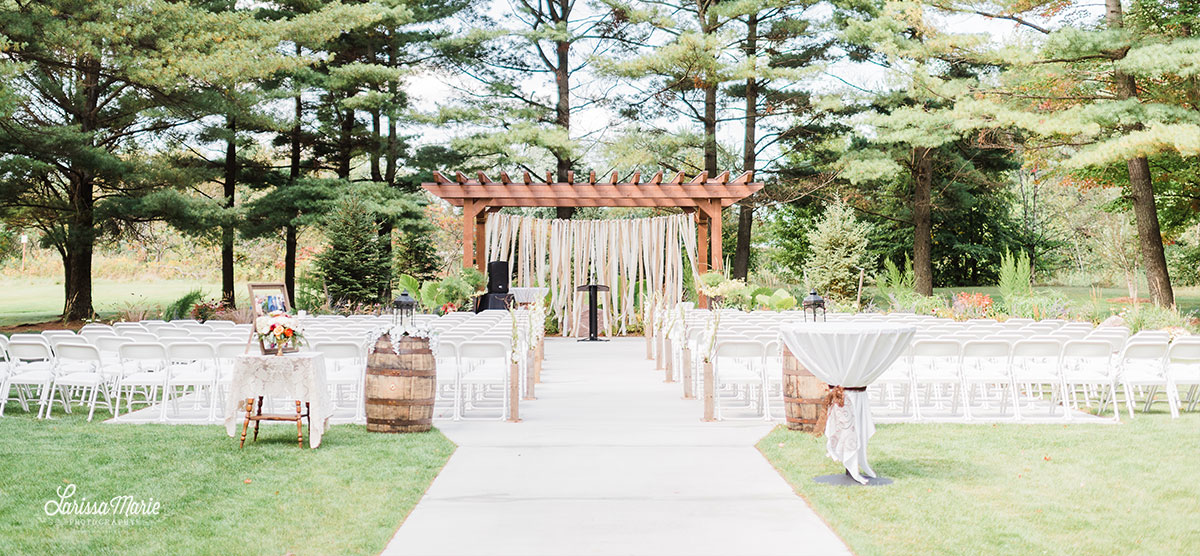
<point>206,310</point>
<point>278,329</point>
<point>972,305</point>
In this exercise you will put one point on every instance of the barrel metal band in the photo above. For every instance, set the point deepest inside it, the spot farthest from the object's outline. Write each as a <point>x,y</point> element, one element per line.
<point>400,422</point>
<point>417,373</point>
<point>394,402</point>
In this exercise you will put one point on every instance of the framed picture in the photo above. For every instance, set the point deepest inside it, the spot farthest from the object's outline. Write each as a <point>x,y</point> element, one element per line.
<point>266,297</point>
<point>269,296</point>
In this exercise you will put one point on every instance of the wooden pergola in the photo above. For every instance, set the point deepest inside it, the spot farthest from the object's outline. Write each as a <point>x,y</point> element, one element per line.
<point>702,196</point>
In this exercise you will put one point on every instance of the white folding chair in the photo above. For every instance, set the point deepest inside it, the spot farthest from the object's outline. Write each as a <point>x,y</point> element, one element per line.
<point>1183,367</point>
<point>345,365</point>
<point>986,363</point>
<point>81,366</point>
<point>191,365</point>
<point>32,366</point>
<point>1087,366</point>
<point>1035,364</point>
<point>1143,364</point>
<point>934,366</point>
<point>484,368</point>
<point>738,364</point>
<point>143,367</point>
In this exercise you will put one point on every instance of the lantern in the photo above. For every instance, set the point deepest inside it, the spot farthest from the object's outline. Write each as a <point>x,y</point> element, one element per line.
<point>402,310</point>
<point>813,301</point>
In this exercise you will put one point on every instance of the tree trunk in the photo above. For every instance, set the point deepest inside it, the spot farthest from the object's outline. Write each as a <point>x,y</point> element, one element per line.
<point>922,219</point>
<point>741,252</point>
<point>227,231</point>
<point>77,260</point>
<point>289,230</point>
<point>1141,188</point>
<point>80,233</point>
<point>345,143</point>
<point>562,109</point>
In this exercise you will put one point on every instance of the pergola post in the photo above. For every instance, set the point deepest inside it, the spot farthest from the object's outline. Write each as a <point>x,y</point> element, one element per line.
<point>481,242</point>
<point>714,216</point>
<point>468,240</point>
<point>702,240</point>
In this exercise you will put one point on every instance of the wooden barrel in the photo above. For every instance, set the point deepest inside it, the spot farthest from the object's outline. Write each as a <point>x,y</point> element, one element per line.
<point>803,394</point>
<point>400,385</point>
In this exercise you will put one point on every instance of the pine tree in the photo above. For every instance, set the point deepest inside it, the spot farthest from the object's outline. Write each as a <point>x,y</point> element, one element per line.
<point>354,265</point>
<point>838,251</point>
<point>87,92</point>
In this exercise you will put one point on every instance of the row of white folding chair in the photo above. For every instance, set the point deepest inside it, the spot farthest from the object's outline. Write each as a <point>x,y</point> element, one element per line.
<point>345,366</point>
<point>478,369</point>
<point>1140,364</point>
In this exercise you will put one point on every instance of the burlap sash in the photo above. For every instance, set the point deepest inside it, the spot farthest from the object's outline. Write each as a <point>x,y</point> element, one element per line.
<point>835,396</point>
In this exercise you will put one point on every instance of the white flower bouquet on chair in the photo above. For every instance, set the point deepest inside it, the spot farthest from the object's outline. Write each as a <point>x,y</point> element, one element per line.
<point>278,333</point>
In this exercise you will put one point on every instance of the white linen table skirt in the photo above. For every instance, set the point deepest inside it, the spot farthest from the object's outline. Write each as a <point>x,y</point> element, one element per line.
<point>850,355</point>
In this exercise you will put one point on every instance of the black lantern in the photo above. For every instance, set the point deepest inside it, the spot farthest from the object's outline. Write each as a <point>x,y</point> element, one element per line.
<point>813,301</point>
<point>402,309</point>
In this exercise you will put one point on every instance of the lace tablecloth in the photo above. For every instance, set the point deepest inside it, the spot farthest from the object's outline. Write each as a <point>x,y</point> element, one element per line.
<point>295,376</point>
<point>528,295</point>
<point>851,355</point>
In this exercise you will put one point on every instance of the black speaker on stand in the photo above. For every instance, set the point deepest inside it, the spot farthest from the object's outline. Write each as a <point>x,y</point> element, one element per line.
<point>497,296</point>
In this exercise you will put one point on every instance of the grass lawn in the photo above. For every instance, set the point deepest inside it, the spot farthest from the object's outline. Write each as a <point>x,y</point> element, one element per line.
<point>346,497</point>
<point>1011,489</point>
<point>33,300</point>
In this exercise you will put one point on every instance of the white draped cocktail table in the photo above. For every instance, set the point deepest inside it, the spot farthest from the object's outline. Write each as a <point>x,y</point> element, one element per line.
<point>849,355</point>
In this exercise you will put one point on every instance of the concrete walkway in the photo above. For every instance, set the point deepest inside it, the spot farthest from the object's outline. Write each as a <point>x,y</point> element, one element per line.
<point>609,460</point>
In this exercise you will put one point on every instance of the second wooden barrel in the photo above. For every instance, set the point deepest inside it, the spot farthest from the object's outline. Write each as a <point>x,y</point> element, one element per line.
<point>803,394</point>
<point>400,385</point>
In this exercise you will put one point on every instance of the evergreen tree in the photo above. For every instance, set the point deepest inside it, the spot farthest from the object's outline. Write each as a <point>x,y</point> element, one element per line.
<point>87,93</point>
<point>353,265</point>
<point>416,255</point>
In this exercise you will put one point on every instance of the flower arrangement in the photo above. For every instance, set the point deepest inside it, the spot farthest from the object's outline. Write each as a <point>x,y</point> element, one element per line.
<point>207,310</point>
<point>278,330</point>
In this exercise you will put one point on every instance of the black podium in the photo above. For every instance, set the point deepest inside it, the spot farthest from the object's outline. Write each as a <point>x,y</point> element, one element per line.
<point>593,315</point>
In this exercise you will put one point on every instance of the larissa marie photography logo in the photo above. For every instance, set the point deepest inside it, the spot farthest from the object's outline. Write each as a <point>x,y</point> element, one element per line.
<point>115,509</point>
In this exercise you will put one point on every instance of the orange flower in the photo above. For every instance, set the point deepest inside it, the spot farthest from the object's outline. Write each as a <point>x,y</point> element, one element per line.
<point>288,332</point>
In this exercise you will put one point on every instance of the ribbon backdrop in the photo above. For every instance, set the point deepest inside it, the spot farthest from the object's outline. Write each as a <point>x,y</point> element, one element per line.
<point>636,258</point>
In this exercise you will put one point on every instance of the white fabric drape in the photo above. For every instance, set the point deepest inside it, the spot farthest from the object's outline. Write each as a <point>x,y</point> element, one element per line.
<point>851,356</point>
<point>634,257</point>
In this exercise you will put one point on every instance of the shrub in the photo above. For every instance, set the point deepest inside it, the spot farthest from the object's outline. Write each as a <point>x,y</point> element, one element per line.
<point>839,250</point>
<point>354,265</point>
<point>182,308</point>
<point>1015,277</point>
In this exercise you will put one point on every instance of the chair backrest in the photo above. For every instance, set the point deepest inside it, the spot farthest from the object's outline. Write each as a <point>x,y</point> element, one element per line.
<point>111,343</point>
<point>229,350</point>
<point>27,337</point>
<point>1087,349</point>
<point>29,350</point>
<point>936,348</point>
<point>986,348</point>
<point>77,352</point>
<point>143,351</point>
<point>1184,350</point>
<point>171,333</point>
<point>482,349</point>
<point>94,333</point>
<point>190,351</point>
<point>1144,349</point>
<point>339,350</point>
<point>1036,348</point>
<point>53,333</point>
<point>739,349</point>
